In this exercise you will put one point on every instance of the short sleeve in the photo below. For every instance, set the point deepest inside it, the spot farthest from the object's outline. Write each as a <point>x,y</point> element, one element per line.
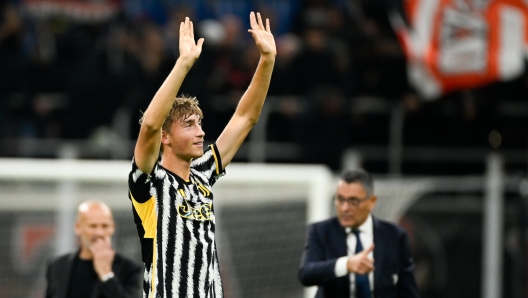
<point>209,165</point>
<point>139,183</point>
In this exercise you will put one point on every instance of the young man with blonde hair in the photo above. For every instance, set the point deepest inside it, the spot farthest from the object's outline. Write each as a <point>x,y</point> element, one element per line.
<point>171,198</point>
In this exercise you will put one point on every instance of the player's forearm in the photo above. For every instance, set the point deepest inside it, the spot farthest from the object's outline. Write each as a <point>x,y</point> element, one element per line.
<point>253,99</point>
<point>161,104</point>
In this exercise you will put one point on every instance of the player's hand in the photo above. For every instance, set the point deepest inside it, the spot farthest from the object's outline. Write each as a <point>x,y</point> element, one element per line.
<point>262,35</point>
<point>361,263</point>
<point>103,256</point>
<point>189,49</point>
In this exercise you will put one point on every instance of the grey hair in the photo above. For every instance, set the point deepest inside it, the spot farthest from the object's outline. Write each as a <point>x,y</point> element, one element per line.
<point>359,176</point>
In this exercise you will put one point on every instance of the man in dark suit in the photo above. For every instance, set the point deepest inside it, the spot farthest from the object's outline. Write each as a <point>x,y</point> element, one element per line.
<point>340,257</point>
<point>95,270</point>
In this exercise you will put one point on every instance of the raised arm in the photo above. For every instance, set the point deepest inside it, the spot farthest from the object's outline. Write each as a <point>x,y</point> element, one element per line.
<point>250,105</point>
<point>149,140</point>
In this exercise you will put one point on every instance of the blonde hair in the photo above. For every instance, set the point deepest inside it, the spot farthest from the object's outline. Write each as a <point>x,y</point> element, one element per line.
<point>182,107</point>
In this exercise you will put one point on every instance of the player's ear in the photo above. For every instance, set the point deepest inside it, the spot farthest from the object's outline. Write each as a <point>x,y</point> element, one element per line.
<point>165,137</point>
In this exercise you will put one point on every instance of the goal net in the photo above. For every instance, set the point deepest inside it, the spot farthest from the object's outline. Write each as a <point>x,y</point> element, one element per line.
<point>261,214</point>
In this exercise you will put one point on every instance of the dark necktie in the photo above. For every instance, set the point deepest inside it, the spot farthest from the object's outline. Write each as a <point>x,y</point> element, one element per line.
<point>362,281</point>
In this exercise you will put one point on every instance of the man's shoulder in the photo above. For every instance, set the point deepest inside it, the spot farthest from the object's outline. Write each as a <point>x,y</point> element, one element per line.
<point>61,259</point>
<point>158,171</point>
<point>326,224</point>
<point>389,227</point>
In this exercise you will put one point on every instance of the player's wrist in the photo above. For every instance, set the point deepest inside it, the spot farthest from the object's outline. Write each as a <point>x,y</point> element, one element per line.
<point>186,61</point>
<point>268,57</point>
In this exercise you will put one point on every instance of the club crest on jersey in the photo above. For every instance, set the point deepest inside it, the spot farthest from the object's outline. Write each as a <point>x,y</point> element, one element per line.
<point>202,212</point>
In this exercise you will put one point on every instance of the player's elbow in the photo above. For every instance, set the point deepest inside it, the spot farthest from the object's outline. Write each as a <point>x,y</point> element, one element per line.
<point>251,120</point>
<point>150,127</point>
<point>245,122</point>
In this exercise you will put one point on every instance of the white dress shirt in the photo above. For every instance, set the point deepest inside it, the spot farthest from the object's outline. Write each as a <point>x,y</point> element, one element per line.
<point>366,234</point>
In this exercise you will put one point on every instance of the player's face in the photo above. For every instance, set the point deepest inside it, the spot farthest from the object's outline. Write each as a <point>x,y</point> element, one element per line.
<point>186,137</point>
<point>353,204</point>
<point>92,224</point>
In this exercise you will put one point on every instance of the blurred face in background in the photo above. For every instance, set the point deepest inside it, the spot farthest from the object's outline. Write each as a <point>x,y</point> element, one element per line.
<point>94,221</point>
<point>353,204</point>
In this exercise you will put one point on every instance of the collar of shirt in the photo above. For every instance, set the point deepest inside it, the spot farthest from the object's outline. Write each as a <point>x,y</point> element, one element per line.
<point>366,228</point>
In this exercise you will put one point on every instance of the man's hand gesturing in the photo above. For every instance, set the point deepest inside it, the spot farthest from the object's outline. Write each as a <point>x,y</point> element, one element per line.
<point>103,256</point>
<point>361,263</point>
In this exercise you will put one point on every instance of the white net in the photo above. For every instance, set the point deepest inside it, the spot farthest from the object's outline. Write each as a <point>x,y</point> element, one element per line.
<point>262,211</point>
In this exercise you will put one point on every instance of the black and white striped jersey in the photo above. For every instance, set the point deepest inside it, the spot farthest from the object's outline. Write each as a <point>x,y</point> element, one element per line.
<point>176,226</point>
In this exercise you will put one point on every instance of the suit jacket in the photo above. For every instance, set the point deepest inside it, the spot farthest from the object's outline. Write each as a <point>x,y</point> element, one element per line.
<point>126,282</point>
<point>326,242</point>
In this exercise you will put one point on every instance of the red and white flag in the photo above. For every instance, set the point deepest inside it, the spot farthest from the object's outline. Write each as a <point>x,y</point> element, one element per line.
<point>461,44</point>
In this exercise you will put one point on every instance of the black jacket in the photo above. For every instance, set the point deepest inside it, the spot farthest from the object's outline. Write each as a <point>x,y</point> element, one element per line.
<point>126,283</point>
<point>326,242</point>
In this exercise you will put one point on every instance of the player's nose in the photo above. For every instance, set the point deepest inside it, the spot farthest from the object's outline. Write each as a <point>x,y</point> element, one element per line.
<point>200,133</point>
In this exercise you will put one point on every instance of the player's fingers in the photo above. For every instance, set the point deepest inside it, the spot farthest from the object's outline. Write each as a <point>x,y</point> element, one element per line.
<point>253,21</point>
<point>260,23</point>
<point>191,30</point>
<point>256,35</point>
<point>200,43</point>
<point>186,26</point>
<point>268,26</point>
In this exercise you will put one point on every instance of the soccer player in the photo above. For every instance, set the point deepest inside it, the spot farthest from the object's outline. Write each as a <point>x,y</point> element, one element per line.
<point>172,199</point>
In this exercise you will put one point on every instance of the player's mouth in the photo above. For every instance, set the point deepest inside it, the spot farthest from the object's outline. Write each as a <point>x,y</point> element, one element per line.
<point>198,144</point>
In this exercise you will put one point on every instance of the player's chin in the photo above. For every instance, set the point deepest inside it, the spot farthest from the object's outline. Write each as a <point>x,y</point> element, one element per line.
<point>197,152</point>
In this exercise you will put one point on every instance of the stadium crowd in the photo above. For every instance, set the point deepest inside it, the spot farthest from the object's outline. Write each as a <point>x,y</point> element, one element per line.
<point>67,69</point>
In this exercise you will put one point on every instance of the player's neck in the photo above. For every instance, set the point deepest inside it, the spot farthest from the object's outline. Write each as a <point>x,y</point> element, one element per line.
<point>178,166</point>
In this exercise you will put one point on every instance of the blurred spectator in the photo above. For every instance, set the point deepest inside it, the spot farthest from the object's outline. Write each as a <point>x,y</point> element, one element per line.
<point>325,130</point>
<point>316,64</point>
<point>11,58</point>
<point>44,117</point>
<point>227,63</point>
<point>288,47</point>
<point>109,56</point>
